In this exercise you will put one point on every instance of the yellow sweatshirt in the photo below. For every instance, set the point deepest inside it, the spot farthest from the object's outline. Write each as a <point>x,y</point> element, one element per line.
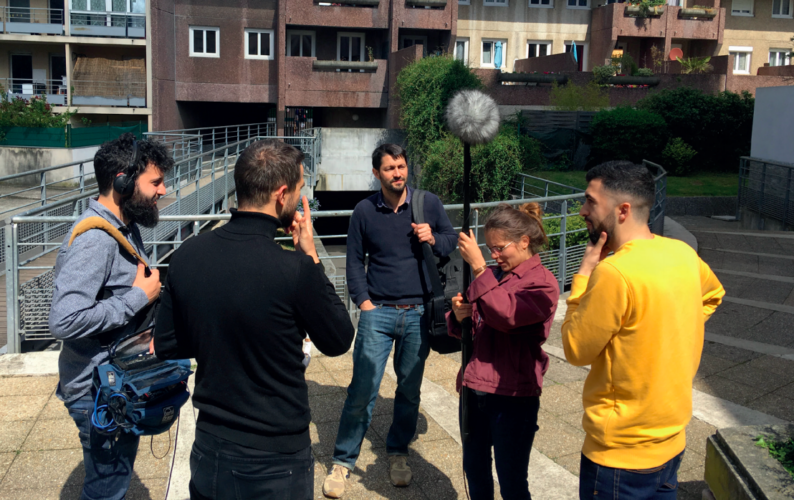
<point>638,321</point>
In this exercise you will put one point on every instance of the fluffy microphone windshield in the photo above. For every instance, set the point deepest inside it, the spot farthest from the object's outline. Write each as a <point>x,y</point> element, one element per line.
<point>473,116</point>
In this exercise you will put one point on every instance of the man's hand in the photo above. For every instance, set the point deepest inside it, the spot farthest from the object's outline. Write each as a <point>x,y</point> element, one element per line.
<point>593,254</point>
<point>367,305</point>
<point>302,233</point>
<point>424,233</point>
<point>469,250</point>
<point>150,285</point>
<point>460,309</point>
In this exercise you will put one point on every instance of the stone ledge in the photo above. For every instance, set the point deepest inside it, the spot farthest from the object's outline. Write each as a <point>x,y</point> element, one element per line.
<point>705,206</point>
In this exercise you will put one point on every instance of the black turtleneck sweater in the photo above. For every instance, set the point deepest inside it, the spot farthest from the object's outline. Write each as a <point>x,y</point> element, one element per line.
<point>241,305</point>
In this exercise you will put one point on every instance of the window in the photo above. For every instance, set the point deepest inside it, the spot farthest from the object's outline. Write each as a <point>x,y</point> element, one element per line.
<point>258,44</point>
<point>462,50</point>
<point>741,7</point>
<point>495,3</point>
<point>779,57</point>
<point>411,40</point>
<point>492,50</point>
<point>464,2</point>
<point>781,8</point>
<point>350,47</point>
<point>581,53</point>
<point>538,49</point>
<point>204,42</point>
<point>741,59</point>
<point>578,4</point>
<point>300,43</point>
<point>133,6</point>
<point>542,4</point>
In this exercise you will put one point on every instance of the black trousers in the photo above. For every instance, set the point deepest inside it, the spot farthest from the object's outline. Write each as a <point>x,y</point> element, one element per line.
<point>221,470</point>
<point>508,424</point>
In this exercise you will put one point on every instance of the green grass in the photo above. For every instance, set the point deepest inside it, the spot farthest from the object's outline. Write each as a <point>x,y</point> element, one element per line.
<point>703,184</point>
<point>782,451</point>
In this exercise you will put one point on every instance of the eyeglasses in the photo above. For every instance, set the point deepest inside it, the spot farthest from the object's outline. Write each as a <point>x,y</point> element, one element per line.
<point>499,250</point>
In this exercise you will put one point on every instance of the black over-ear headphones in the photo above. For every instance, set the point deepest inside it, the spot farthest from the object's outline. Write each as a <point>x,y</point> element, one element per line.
<point>124,183</point>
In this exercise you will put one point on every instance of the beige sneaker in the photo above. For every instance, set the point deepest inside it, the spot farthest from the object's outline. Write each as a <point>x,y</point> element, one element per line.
<point>335,481</point>
<point>399,472</point>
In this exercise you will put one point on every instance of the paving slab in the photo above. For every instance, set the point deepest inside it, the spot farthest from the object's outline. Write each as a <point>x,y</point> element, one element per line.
<point>58,434</point>
<point>13,434</point>
<point>27,386</point>
<point>21,407</point>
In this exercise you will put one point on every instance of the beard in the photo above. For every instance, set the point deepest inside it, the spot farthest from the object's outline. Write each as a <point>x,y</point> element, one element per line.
<point>607,225</point>
<point>141,210</point>
<point>390,186</point>
<point>287,215</point>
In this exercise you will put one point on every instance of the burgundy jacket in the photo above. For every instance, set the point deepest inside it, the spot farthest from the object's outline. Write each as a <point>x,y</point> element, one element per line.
<point>511,319</point>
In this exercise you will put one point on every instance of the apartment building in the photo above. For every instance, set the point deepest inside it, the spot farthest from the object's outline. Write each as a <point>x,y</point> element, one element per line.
<point>297,62</point>
<point>758,32</point>
<point>89,56</point>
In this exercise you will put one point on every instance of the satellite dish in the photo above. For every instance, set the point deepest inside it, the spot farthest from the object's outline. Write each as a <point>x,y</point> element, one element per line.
<point>676,53</point>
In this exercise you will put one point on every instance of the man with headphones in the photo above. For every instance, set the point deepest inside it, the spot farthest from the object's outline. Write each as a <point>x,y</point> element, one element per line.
<point>99,290</point>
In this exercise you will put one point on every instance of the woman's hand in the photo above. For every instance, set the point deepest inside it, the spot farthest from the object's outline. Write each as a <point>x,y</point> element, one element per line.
<point>460,309</point>
<point>469,250</point>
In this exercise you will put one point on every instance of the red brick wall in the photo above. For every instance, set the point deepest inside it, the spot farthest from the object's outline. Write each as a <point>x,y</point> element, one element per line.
<point>557,63</point>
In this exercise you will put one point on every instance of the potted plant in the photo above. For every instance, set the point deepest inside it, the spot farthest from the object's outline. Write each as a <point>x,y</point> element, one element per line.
<point>645,8</point>
<point>698,11</point>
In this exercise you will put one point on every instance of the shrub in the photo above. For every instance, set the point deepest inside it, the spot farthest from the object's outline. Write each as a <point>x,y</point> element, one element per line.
<point>719,127</point>
<point>572,97</point>
<point>677,157</point>
<point>424,88</point>
<point>494,167</point>
<point>36,112</point>
<point>645,72</point>
<point>695,65</point>
<point>572,223</point>
<point>627,134</point>
<point>627,65</point>
<point>601,74</point>
<point>531,154</point>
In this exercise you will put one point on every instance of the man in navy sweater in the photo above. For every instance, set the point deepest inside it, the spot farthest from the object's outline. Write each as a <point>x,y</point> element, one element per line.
<point>390,293</point>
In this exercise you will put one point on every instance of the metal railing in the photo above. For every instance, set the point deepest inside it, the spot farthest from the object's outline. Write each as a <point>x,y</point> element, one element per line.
<point>37,233</point>
<point>107,93</point>
<point>766,188</point>
<point>194,140</point>
<point>310,140</point>
<point>55,90</point>
<point>30,21</point>
<point>111,24</point>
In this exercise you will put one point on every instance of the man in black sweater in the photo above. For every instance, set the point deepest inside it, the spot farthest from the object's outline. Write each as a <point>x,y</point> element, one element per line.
<point>391,295</point>
<point>241,305</point>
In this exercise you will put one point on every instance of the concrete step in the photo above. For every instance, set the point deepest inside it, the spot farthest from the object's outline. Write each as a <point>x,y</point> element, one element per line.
<point>737,260</point>
<point>758,289</point>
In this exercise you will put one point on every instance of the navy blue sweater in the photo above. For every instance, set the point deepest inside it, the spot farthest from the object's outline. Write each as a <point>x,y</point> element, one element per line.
<point>396,274</point>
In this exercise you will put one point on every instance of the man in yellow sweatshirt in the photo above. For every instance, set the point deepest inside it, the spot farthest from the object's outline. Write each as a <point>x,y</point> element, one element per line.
<point>637,318</point>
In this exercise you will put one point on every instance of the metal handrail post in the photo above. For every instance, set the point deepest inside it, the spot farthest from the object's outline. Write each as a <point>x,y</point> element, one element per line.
<point>82,177</point>
<point>563,237</point>
<point>761,201</point>
<point>43,185</point>
<point>546,194</point>
<point>742,167</point>
<point>523,181</point>
<point>788,197</point>
<point>12,296</point>
<point>226,180</point>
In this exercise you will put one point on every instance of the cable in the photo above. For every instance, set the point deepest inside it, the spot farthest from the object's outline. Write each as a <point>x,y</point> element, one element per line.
<point>151,443</point>
<point>96,417</point>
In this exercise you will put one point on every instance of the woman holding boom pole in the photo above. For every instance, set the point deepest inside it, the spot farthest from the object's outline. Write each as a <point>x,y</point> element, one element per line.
<point>512,307</point>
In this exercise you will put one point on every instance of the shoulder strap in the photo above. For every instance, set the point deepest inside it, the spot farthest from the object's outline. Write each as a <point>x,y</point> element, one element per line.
<point>97,222</point>
<point>418,216</point>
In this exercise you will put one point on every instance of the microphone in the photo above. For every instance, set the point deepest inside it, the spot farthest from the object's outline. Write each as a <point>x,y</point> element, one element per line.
<point>473,116</point>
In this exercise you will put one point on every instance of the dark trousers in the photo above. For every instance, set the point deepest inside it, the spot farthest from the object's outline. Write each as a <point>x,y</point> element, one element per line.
<point>108,460</point>
<point>221,470</point>
<point>508,423</point>
<point>599,482</point>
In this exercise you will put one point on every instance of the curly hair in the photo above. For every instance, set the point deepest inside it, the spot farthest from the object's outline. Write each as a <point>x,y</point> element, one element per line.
<point>114,157</point>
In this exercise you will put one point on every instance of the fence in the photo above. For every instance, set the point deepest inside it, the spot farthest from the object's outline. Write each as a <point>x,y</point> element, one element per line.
<point>54,91</point>
<point>109,93</point>
<point>543,121</point>
<point>766,188</point>
<point>190,141</point>
<point>68,136</point>
<point>112,24</point>
<point>31,21</point>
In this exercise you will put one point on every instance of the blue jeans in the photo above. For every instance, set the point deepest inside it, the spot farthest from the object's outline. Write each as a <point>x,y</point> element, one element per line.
<point>508,424</point>
<point>377,330</point>
<point>597,482</point>
<point>222,470</point>
<point>108,460</point>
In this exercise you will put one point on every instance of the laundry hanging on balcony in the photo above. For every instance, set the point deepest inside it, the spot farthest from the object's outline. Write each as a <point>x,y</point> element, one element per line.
<point>100,81</point>
<point>497,58</point>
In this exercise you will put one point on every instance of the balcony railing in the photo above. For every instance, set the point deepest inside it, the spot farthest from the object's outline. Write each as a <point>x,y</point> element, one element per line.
<point>25,88</point>
<point>97,93</point>
<point>108,24</point>
<point>351,3</point>
<point>31,21</point>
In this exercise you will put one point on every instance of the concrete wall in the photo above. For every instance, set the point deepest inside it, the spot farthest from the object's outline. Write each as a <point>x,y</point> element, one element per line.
<point>773,122</point>
<point>14,160</point>
<point>518,23</point>
<point>557,63</point>
<point>347,157</point>
<point>760,31</point>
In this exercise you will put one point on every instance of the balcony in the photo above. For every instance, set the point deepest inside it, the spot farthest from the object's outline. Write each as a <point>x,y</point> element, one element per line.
<point>106,93</point>
<point>108,24</point>
<point>25,88</point>
<point>336,83</point>
<point>669,22</point>
<point>426,14</point>
<point>342,14</point>
<point>24,20</point>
